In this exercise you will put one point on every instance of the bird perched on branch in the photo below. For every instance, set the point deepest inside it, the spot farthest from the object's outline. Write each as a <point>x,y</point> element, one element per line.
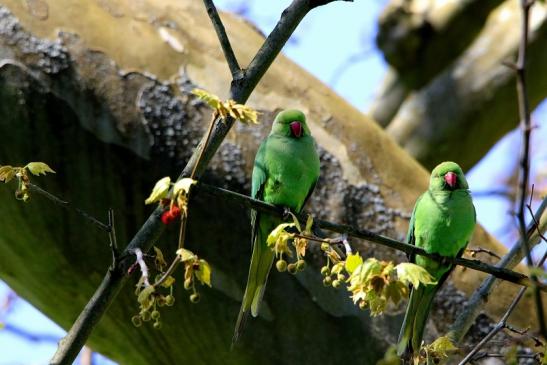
<point>285,172</point>
<point>442,222</point>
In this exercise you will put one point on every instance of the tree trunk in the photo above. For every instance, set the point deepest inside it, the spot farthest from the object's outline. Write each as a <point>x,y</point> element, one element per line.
<point>455,99</point>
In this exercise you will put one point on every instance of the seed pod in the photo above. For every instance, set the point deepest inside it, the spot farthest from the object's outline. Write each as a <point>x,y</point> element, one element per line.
<point>281,265</point>
<point>292,268</point>
<point>145,316</point>
<point>194,298</point>
<point>137,322</point>
<point>169,300</point>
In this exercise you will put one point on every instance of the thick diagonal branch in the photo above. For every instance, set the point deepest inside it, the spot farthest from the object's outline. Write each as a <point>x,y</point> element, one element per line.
<point>150,231</point>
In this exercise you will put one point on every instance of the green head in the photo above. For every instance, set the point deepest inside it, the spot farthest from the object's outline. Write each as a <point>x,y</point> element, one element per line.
<point>447,176</point>
<point>291,123</point>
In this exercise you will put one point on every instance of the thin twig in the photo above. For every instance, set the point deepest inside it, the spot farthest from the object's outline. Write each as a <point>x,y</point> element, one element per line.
<point>499,326</point>
<point>482,355</point>
<point>503,321</point>
<point>525,333</point>
<point>311,238</point>
<point>479,298</point>
<point>249,202</point>
<point>240,90</point>
<point>112,237</point>
<point>474,251</point>
<point>68,205</point>
<point>227,49</point>
<point>525,122</point>
<point>170,270</point>
<point>536,223</point>
<point>202,147</point>
<point>177,259</point>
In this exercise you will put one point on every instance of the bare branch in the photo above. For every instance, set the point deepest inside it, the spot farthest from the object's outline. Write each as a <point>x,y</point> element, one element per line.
<point>67,205</point>
<point>482,355</point>
<point>499,326</point>
<point>227,49</point>
<point>503,322</point>
<point>525,123</point>
<point>112,236</point>
<point>474,251</point>
<point>475,303</point>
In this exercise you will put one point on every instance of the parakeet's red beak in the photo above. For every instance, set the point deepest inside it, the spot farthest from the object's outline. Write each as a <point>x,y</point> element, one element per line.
<point>296,129</point>
<point>451,179</point>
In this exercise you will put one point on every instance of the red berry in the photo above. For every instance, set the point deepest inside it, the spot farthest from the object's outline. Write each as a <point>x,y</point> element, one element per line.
<point>175,211</point>
<point>167,217</point>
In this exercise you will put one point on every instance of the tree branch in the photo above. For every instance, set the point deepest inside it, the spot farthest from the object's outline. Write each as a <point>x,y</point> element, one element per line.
<point>150,231</point>
<point>498,272</point>
<point>475,303</point>
<point>67,205</point>
<point>502,322</point>
<point>227,49</point>
<point>525,123</point>
<point>112,236</point>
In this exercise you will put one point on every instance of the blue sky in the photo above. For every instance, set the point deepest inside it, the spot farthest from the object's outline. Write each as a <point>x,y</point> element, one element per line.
<point>322,44</point>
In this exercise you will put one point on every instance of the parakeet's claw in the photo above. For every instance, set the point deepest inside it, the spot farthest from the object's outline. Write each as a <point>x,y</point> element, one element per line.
<point>287,213</point>
<point>445,261</point>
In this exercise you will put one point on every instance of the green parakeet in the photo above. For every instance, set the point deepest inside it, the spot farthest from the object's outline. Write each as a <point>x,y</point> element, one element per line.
<point>442,222</point>
<point>285,172</point>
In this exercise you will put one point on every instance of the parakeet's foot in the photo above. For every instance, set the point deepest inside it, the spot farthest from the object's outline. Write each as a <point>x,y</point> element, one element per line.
<point>445,261</point>
<point>287,213</point>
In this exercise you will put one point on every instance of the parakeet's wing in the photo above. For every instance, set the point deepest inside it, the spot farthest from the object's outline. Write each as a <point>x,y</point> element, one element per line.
<point>310,192</point>
<point>259,177</point>
<point>410,237</point>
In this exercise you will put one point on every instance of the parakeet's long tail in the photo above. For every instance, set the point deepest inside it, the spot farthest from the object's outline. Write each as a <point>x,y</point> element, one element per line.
<point>261,262</point>
<point>412,330</point>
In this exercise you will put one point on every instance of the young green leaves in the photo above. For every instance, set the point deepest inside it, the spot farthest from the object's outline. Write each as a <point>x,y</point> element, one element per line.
<point>372,283</point>
<point>176,199</point>
<point>278,240</point>
<point>435,352</point>
<point>194,268</point>
<point>7,173</point>
<point>375,283</point>
<point>227,108</point>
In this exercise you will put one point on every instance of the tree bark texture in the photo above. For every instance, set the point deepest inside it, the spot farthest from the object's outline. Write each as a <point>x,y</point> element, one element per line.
<point>99,91</point>
<point>449,95</point>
